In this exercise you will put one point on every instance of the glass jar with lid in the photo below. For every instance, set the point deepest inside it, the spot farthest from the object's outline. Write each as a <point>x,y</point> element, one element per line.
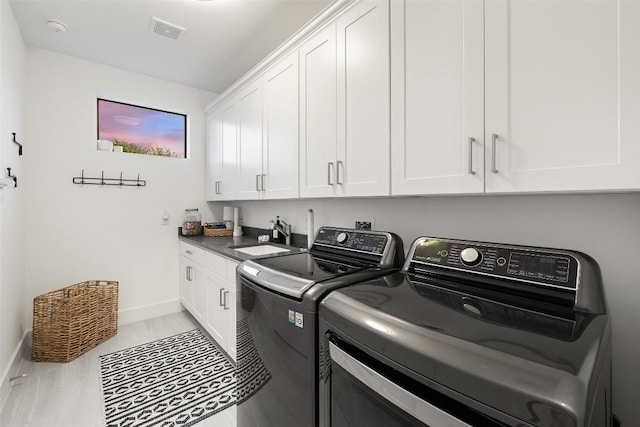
<point>191,223</point>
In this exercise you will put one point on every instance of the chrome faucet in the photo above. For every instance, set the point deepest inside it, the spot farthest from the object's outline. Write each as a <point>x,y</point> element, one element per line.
<point>283,228</point>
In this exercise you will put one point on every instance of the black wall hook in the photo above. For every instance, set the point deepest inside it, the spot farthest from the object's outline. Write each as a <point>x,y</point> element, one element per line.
<point>19,145</point>
<point>15,178</point>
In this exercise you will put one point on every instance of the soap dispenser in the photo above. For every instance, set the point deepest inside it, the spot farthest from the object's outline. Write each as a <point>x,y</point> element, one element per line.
<point>279,227</point>
<point>273,236</point>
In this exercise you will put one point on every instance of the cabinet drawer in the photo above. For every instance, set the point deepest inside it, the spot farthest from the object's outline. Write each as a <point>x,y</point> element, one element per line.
<point>192,252</point>
<point>215,263</point>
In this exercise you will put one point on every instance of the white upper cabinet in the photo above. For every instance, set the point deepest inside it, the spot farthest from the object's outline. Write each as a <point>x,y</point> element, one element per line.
<point>267,114</point>
<point>562,95</point>
<point>213,156</point>
<point>437,78</point>
<point>318,109</point>
<point>250,141</point>
<point>280,130</point>
<point>344,105</point>
<point>363,154</point>
<point>410,97</point>
<point>222,152</point>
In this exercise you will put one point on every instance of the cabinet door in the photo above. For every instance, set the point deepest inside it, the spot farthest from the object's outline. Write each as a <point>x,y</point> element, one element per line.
<point>199,293</point>
<point>231,317</point>
<point>216,320</point>
<point>214,158</point>
<point>232,308</point>
<point>250,141</point>
<point>562,98</point>
<point>280,130</point>
<point>363,153</point>
<point>437,85</point>
<point>186,284</point>
<point>318,85</point>
<point>227,117</point>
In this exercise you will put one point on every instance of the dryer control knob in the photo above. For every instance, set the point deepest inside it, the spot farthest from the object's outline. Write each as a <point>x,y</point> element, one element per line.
<point>470,256</point>
<point>342,237</point>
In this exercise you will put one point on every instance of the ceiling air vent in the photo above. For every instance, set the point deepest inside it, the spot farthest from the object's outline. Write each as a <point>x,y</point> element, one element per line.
<point>166,29</point>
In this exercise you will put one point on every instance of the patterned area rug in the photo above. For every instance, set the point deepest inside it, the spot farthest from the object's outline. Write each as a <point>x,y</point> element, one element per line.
<point>175,381</point>
<point>252,374</point>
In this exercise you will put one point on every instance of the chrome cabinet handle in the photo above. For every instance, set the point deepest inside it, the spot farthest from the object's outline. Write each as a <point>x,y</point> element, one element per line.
<point>329,167</point>
<point>225,300</point>
<point>221,297</point>
<point>264,176</point>
<point>189,252</point>
<point>470,171</point>
<point>257,183</point>
<point>188,273</point>
<point>494,138</point>
<point>218,187</point>
<point>338,164</point>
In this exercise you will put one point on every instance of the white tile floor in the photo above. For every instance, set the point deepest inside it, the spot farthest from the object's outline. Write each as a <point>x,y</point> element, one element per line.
<point>68,394</point>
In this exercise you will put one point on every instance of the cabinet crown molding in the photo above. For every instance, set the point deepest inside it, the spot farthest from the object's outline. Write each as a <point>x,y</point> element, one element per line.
<point>316,24</point>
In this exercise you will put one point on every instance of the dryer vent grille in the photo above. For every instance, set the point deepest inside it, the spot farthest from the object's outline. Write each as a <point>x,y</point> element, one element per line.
<point>166,29</point>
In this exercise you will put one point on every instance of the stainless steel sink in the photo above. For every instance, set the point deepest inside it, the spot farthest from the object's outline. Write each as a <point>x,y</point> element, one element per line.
<point>260,249</point>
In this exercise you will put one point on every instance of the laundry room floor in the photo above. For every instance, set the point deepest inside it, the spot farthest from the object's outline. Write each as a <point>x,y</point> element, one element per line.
<point>68,394</point>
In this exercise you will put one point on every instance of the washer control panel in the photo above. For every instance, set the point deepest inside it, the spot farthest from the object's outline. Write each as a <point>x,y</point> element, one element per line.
<point>537,265</point>
<point>355,240</point>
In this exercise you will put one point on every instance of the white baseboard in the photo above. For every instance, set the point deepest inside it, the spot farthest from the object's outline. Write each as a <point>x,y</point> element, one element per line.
<point>13,368</point>
<point>150,311</point>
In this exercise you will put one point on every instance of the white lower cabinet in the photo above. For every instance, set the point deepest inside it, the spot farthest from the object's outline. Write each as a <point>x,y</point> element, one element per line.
<point>208,292</point>
<point>216,322</point>
<point>199,292</point>
<point>186,285</point>
<point>231,314</point>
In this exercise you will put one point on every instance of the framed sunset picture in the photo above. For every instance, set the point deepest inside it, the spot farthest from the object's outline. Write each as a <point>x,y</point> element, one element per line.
<point>142,130</point>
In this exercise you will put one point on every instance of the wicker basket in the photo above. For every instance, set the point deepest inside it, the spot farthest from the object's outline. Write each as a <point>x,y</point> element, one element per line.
<point>72,320</point>
<point>217,232</point>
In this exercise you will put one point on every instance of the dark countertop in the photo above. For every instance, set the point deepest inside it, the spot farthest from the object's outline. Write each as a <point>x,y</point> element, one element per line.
<point>224,245</point>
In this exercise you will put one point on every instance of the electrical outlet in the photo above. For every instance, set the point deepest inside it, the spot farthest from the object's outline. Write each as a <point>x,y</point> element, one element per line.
<point>365,223</point>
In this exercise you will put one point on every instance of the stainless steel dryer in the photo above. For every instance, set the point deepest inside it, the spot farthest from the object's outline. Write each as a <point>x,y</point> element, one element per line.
<point>469,334</point>
<point>277,320</point>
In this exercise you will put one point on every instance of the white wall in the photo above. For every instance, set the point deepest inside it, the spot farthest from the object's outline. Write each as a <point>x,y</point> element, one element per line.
<point>12,280</point>
<point>77,233</point>
<point>606,227</point>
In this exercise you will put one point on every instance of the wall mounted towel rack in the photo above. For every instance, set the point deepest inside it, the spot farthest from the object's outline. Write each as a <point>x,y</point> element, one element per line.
<point>85,180</point>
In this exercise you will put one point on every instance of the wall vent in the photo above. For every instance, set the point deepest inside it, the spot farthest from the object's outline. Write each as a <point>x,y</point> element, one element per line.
<point>166,29</point>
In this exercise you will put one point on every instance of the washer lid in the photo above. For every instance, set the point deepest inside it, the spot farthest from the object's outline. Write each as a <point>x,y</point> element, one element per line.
<point>294,274</point>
